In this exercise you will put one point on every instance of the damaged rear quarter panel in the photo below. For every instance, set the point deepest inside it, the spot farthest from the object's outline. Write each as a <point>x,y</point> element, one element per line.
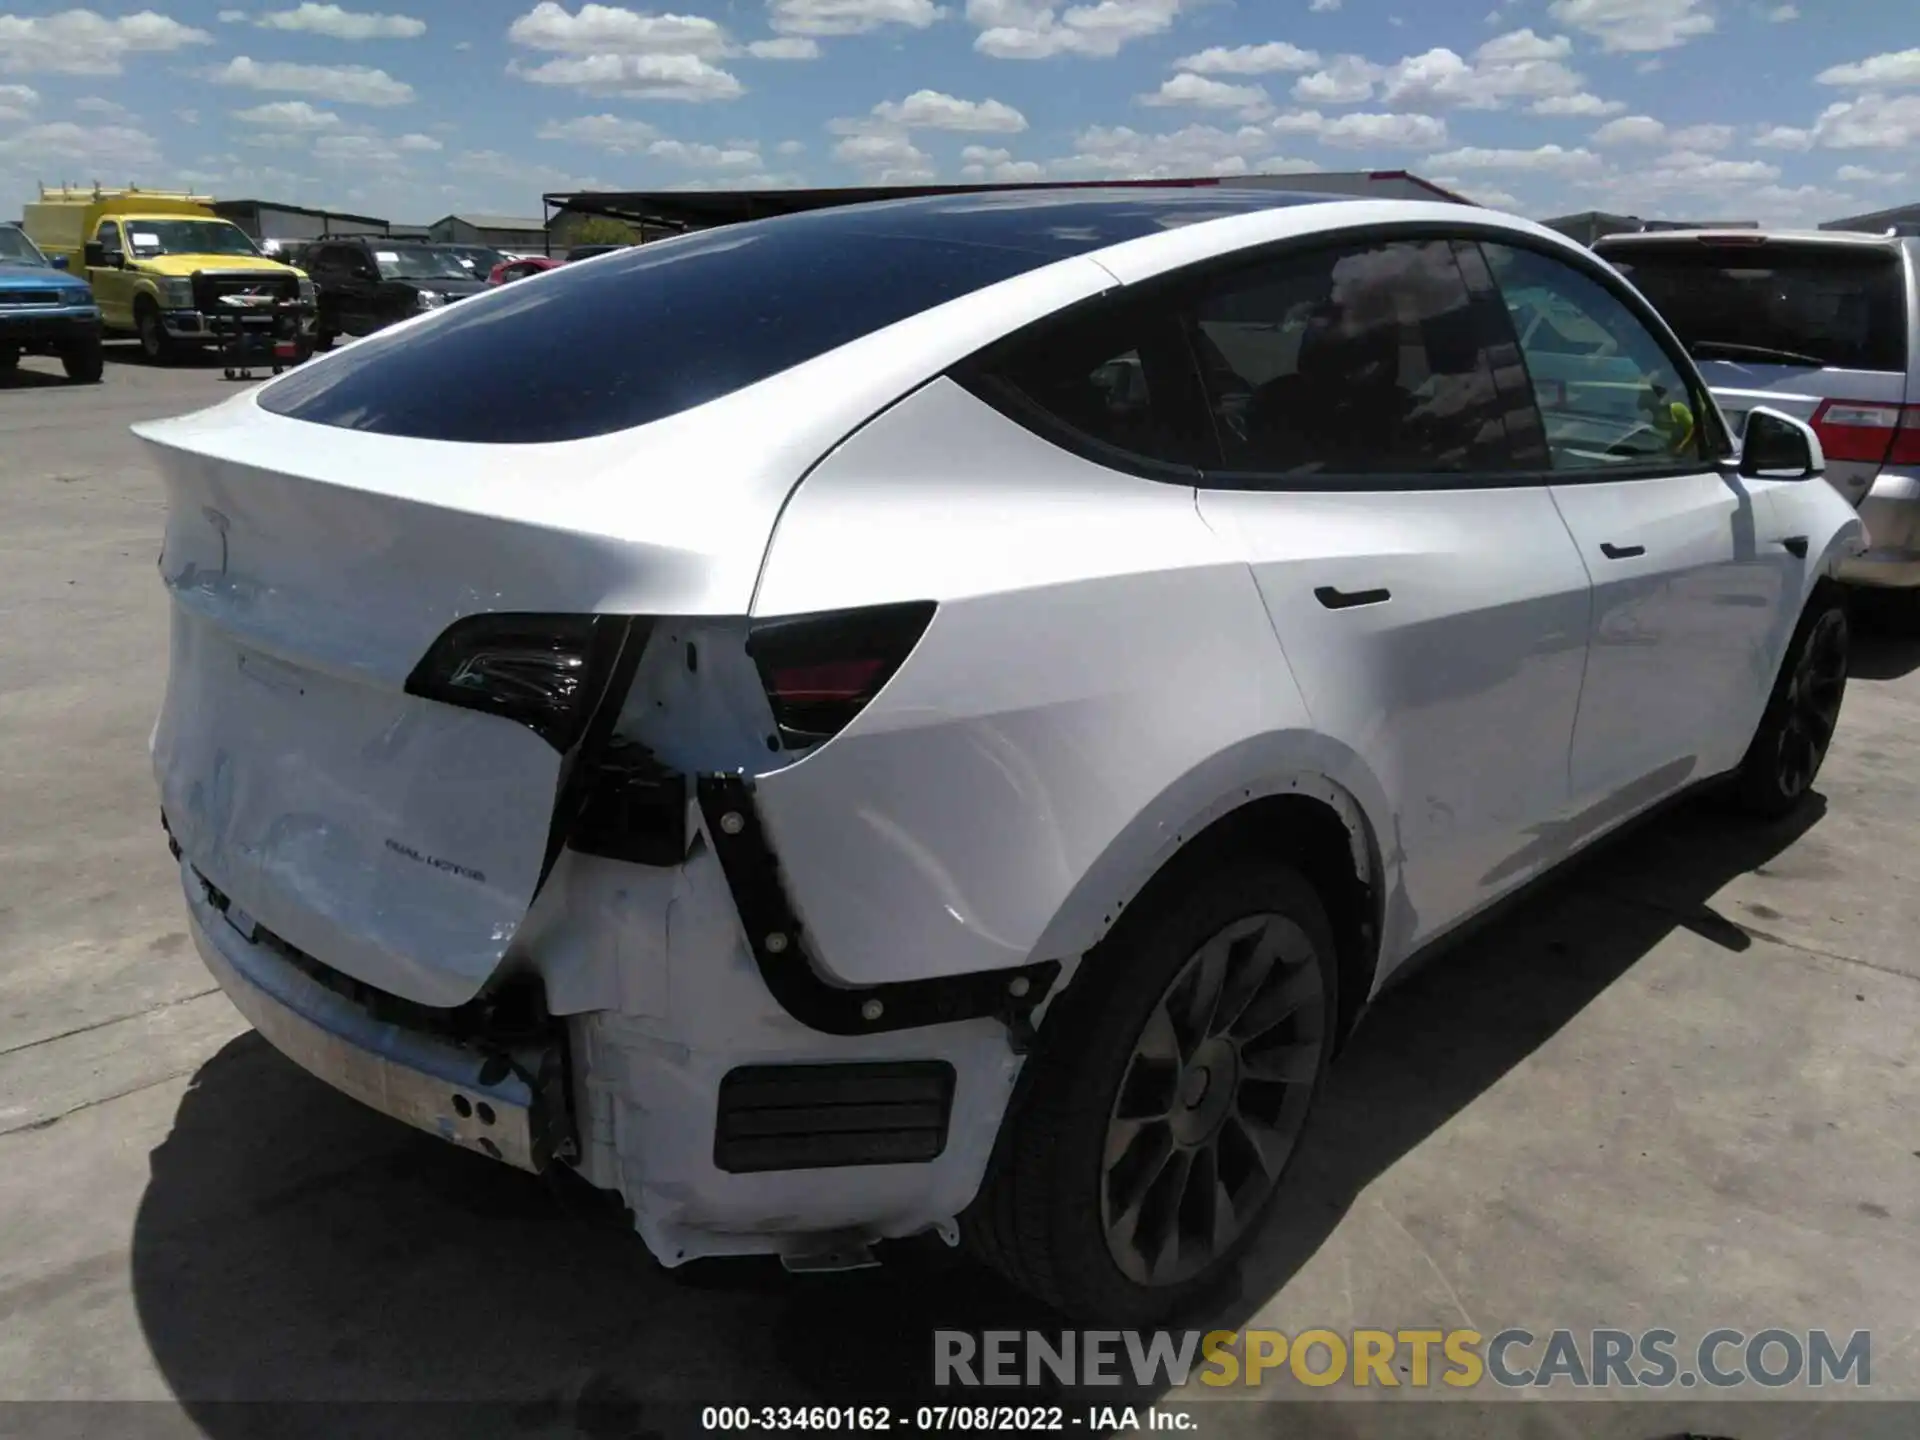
<point>1100,674</point>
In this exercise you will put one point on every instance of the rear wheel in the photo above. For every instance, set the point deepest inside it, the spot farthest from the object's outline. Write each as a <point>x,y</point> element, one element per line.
<point>155,343</point>
<point>1802,713</point>
<point>84,362</point>
<point>1168,1096</point>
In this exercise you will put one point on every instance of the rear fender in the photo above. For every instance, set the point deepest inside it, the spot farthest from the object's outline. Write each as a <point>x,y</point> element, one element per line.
<point>1293,762</point>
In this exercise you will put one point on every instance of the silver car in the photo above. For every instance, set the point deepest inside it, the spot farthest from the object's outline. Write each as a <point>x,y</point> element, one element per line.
<point>1823,325</point>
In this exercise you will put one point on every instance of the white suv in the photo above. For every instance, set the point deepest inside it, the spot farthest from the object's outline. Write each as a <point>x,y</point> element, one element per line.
<point>947,720</point>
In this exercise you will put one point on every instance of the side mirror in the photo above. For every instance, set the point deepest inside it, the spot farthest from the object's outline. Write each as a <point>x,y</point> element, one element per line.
<point>96,255</point>
<point>59,262</point>
<point>1779,447</point>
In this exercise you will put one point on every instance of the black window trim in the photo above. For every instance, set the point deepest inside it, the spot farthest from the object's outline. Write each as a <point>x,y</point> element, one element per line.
<point>1173,287</point>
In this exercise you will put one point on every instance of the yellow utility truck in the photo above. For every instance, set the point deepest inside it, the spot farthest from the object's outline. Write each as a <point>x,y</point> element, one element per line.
<point>163,266</point>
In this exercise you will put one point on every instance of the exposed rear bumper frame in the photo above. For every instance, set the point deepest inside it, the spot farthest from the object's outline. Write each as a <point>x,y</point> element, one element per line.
<point>773,935</point>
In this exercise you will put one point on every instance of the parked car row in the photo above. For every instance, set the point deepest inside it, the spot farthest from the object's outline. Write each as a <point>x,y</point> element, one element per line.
<point>365,283</point>
<point>977,727</point>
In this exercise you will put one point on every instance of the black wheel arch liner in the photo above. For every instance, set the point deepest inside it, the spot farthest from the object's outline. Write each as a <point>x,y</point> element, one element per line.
<point>774,936</point>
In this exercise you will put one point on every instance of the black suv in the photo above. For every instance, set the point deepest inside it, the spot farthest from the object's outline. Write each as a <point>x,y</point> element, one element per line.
<point>364,283</point>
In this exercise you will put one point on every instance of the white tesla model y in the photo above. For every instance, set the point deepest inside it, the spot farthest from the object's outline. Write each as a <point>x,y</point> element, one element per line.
<point>939,715</point>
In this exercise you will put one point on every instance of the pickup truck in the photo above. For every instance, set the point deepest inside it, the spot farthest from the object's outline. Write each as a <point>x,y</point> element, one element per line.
<point>161,264</point>
<point>45,311</point>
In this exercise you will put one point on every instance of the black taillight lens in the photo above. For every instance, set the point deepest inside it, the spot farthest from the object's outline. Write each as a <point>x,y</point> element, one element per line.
<point>548,672</point>
<point>819,671</point>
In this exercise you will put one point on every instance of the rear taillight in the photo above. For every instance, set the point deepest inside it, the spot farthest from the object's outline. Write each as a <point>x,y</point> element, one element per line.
<point>547,672</point>
<point>1870,432</point>
<point>819,671</point>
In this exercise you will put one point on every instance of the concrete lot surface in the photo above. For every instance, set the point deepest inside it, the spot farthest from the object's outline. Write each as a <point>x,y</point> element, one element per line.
<point>1678,1089</point>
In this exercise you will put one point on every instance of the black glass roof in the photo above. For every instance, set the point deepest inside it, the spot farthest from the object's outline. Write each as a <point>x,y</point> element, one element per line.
<point>1054,223</point>
<point>618,341</point>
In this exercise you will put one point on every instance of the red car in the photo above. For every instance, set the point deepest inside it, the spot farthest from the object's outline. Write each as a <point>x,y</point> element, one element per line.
<point>520,269</point>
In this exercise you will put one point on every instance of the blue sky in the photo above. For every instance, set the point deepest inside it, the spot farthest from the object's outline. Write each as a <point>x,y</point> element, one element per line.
<point>1699,109</point>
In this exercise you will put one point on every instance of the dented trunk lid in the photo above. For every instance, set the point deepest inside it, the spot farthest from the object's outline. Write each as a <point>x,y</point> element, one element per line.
<point>395,838</point>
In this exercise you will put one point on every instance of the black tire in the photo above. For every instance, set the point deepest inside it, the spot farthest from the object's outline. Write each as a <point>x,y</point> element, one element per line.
<point>155,343</point>
<point>1796,729</point>
<point>84,363</point>
<point>1041,1217</point>
<point>322,341</point>
<point>9,357</point>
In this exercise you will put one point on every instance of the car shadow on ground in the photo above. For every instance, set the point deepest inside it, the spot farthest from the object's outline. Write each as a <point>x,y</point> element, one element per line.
<point>1886,639</point>
<point>292,1246</point>
<point>21,378</point>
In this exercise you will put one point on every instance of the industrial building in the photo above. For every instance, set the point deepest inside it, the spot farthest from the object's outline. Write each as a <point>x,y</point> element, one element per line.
<point>269,220</point>
<point>502,232</point>
<point>663,212</point>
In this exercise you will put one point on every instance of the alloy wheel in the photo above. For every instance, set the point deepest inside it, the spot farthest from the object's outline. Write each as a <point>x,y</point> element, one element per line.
<point>1212,1100</point>
<point>1814,694</point>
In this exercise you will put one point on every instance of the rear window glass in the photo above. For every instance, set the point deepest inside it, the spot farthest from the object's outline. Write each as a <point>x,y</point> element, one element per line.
<point>631,338</point>
<point>1842,307</point>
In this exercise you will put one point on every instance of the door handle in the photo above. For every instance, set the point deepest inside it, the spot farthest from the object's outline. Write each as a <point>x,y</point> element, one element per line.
<point>1335,599</point>
<point>1621,552</point>
<point>1795,545</point>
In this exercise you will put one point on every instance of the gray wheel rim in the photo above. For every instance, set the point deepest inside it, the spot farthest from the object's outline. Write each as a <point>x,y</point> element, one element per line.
<point>1212,1100</point>
<point>150,339</point>
<point>1814,693</point>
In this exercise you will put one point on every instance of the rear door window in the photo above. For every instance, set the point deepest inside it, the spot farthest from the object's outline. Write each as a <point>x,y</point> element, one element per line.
<point>1826,304</point>
<point>1327,366</point>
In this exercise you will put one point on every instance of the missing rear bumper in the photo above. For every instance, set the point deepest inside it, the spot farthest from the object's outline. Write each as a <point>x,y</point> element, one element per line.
<point>773,935</point>
<point>492,1102</point>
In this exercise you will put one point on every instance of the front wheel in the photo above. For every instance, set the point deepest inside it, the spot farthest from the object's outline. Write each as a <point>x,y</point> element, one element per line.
<point>1166,1100</point>
<point>84,363</point>
<point>1802,713</point>
<point>9,357</point>
<point>155,343</point>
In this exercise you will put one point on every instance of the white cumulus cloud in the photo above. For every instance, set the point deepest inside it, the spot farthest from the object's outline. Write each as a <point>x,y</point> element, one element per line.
<point>1894,69</point>
<point>1026,30</point>
<point>849,17</point>
<point>1274,57</point>
<point>641,77</point>
<point>338,24</point>
<point>347,84</point>
<point>614,30</point>
<point>933,110</point>
<point>1636,26</point>
<point>288,115</point>
<point>1198,92</point>
<point>83,42</point>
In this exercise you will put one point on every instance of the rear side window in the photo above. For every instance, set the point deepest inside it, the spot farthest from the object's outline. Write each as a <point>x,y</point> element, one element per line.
<point>630,338</point>
<point>1112,379</point>
<point>1371,360</point>
<point>1842,306</point>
